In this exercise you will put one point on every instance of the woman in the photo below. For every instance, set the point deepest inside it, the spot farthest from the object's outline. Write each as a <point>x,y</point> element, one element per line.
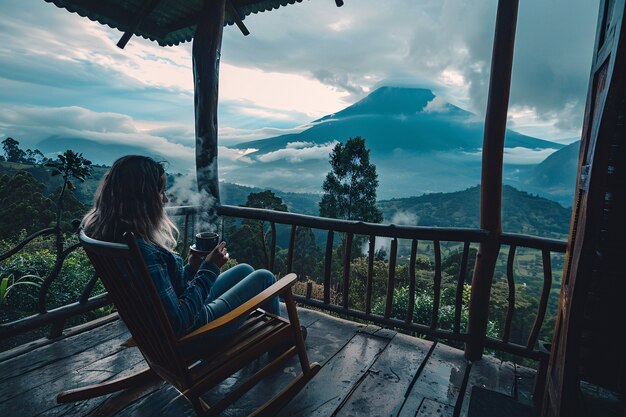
<point>130,198</point>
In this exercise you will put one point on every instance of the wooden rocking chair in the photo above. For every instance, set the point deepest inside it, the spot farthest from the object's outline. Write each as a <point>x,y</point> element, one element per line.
<point>125,275</point>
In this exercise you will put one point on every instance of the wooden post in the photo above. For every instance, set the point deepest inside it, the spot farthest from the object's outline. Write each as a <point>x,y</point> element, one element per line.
<point>206,51</point>
<point>491,181</point>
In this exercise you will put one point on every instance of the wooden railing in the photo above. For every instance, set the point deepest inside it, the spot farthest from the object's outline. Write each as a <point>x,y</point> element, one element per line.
<point>437,237</point>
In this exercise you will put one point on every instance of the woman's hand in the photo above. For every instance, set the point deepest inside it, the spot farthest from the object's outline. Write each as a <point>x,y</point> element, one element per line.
<point>218,256</point>
<point>194,262</point>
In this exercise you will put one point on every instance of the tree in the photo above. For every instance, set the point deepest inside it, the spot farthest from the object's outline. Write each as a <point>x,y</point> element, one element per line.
<point>350,186</point>
<point>34,156</point>
<point>69,165</point>
<point>24,207</point>
<point>12,150</point>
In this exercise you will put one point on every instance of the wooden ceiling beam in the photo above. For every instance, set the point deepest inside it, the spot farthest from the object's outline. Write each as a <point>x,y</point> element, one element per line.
<point>146,9</point>
<point>236,17</point>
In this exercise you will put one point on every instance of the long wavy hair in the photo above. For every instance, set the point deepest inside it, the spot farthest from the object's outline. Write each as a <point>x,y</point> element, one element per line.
<point>129,199</point>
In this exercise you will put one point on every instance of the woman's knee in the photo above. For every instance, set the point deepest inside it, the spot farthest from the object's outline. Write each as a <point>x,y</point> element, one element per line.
<point>242,269</point>
<point>264,276</point>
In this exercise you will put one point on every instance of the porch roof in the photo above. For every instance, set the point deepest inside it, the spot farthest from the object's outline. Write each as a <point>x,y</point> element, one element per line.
<point>167,22</point>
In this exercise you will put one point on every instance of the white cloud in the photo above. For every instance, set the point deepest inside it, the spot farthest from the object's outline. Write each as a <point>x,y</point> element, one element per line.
<point>436,105</point>
<point>525,156</point>
<point>232,154</point>
<point>341,25</point>
<point>296,155</point>
<point>298,145</point>
<point>525,119</point>
<point>404,218</point>
<point>279,90</point>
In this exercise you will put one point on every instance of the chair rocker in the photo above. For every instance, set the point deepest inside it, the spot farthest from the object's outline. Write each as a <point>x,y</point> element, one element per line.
<point>125,276</point>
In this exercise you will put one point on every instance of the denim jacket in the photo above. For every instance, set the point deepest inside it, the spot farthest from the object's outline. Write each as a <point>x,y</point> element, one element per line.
<point>183,295</point>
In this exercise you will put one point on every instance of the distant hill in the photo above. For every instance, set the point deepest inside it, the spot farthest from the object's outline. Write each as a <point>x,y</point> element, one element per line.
<point>521,212</point>
<point>556,175</point>
<point>98,153</point>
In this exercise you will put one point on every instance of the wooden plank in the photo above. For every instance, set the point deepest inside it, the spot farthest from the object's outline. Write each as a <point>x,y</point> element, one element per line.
<point>432,408</point>
<point>65,348</point>
<point>492,374</point>
<point>327,337</point>
<point>42,398</point>
<point>72,331</point>
<point>337,378</point>
<point>165,401</point>
<point>441,379</point>
<point>388,379</point>
<point>55,369</point>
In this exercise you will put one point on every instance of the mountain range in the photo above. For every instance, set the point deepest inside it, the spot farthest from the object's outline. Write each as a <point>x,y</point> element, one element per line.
<point>419,143</point>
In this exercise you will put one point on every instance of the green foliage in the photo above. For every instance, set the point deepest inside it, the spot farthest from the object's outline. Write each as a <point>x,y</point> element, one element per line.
<point>452,263</point>
<point>12,150</point>
<point>423,309</point>
<point>33,266</point>
<point>306,255</point>
<point>9,284</point>
<point>350,186</point>
<point>23,205</point>
<point>525,309</point>
<point>251,240</point>
<point>73,278</point>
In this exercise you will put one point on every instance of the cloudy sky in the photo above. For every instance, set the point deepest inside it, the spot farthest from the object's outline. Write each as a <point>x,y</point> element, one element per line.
<point>61,75</point>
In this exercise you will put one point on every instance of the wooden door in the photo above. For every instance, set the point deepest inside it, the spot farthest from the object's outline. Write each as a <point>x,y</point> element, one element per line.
<point>589,336</point>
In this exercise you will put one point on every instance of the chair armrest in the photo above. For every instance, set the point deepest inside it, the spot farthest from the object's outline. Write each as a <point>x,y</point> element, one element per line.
<point>277,288</point>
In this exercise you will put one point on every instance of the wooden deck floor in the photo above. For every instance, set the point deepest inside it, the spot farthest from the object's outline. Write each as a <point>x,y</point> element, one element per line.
<point>366,371</point>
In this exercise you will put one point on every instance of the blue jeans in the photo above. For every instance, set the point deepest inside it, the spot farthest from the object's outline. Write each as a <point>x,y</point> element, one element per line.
<point>231,289</point>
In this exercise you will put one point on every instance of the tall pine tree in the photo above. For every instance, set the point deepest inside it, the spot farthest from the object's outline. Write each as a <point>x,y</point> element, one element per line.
<point>350,186</point>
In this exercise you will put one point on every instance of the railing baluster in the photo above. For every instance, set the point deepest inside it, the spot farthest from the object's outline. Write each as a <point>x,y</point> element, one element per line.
<point>436,285</point>
<point>45,285</point>
<point>543,302</point>
<point>391,281</point>
<point>88,288</point>
<point>292,243</point>
<point>328,258</point>
<point>458,306</point>
<point>506,332</point>
<point>272,247</point>
<point>345,286</point>
<point>411,306</point>
<point>370,274</point>
<point>56,329</point>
